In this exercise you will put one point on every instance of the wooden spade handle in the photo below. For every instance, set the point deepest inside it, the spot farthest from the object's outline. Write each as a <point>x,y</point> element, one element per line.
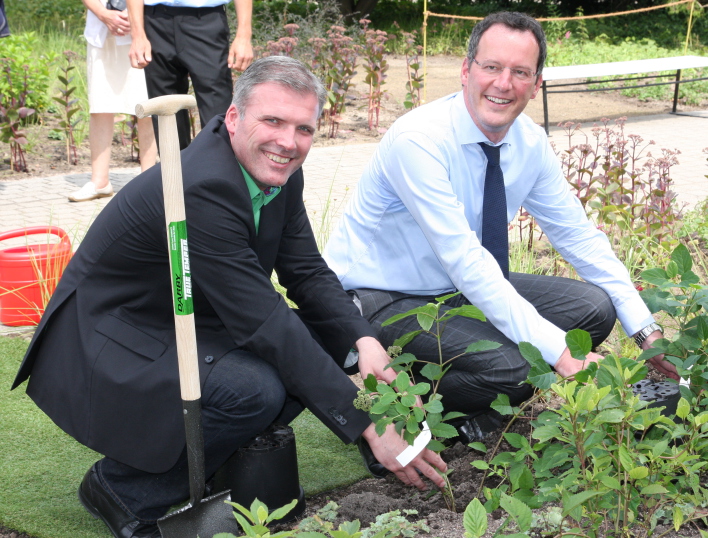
<point>165,108</point>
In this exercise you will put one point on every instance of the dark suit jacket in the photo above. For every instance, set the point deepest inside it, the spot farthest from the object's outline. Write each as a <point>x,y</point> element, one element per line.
<point>103,360</point>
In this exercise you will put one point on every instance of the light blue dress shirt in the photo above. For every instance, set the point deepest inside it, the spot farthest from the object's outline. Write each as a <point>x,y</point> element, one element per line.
<point>187,3</point>
<point>414,224</point>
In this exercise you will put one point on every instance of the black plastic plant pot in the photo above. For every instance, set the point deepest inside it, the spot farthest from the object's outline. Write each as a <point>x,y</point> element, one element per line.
<point>659,394</point>
<point>265,469</point>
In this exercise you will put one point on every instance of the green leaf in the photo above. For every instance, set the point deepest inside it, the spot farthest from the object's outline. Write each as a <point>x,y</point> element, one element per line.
<point>420,388</point>
<point>683,408</point>
<point>480,447</point>
<point>611,482</point>
<point>677,517</point>
<point>609,416</point>
<point>502,405</point>
<point>672,269</point>
<point>519,512</point>
<point>516,440</point>
<point>402,341</point>
<point>480,464</point>
<point>443,430</point>
<point>655,276</point>
<point>403,358</point>
<point>282,511</point>
<point>579,343</point>
<point>681,257</point>
<point>639,473</point>
<point>482,345</point>
<point>520,477</point>
<point>408,400</point>
<point>431,371</point>
<point>371,382</point>
<point>466,311</point>
<point>447,297</point>
<point>434,406</point>
<point>625,458</point>
<point>426,318</point>
<point>402,382</point>
<point>578,499</point>
<point>475,519</point>
<point>531,354</point>
<point>413,312</point>
<point>653,489</point>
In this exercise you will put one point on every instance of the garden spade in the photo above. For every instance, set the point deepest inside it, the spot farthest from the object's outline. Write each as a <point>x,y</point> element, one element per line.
<point>200,517</point>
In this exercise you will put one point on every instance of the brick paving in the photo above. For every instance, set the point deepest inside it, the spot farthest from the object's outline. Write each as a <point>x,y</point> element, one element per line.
<point>331,174</point>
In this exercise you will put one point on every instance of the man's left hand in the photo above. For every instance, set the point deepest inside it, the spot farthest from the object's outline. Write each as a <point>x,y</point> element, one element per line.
<point>240,54</point>
<point>659,362</point>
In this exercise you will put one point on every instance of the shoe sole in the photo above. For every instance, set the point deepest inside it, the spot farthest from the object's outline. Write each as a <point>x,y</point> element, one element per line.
<point>72,199</point>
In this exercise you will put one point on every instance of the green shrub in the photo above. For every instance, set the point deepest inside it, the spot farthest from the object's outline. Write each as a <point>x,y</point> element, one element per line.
<point>20,50</point>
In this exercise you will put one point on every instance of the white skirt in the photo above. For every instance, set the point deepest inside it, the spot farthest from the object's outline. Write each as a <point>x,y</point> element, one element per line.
<point>114,87</point>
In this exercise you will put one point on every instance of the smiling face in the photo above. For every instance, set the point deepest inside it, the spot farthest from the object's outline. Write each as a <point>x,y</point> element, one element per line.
<point>495,102</point>
<point>273,136</point>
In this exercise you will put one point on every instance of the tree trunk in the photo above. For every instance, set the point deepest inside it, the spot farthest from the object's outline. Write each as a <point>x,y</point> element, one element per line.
<point>353,10</point>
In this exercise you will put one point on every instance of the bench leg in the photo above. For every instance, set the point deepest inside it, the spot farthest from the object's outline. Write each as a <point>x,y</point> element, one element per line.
<point>676,90</point>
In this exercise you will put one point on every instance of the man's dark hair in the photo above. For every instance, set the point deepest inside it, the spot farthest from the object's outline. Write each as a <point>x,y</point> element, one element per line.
<point>514,21</point>
<point>287,72</point>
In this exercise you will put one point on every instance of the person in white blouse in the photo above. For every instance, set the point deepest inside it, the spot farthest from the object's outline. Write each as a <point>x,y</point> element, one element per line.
<point>114,87</point>
<point>413,232</point>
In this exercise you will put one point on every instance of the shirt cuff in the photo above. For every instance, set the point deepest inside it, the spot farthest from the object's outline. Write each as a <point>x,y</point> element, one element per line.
<point>634,315</point>
<point>552,344</point>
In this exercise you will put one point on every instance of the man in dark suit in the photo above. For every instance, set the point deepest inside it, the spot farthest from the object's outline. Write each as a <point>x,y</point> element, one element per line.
<point>103,359</point>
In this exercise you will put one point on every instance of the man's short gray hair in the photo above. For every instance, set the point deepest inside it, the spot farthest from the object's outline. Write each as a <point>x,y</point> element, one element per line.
<point>287,72</point>
<point>515,21</point>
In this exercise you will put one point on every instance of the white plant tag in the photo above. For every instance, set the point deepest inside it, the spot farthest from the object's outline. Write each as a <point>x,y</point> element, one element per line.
<point>409,454</point>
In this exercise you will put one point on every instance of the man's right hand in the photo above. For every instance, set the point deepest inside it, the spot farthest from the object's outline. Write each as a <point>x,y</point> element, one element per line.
<point>390,445</point>
<point>140,52</point>
<point>568,366</point>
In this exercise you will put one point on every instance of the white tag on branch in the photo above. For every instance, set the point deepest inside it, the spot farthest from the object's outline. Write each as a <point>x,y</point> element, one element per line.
<point>409,454</point>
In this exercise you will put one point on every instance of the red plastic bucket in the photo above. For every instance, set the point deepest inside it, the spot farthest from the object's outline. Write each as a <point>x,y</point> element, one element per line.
<point>29,274</point>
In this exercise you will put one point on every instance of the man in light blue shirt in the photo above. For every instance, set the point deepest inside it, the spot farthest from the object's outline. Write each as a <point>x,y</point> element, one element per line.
<point>412,232</point>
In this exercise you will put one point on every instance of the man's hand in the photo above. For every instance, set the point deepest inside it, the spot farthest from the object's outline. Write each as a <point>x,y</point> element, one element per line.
<point>387,447</point>
<point>140,52</point>
<point>567,365</point>
<point>658,362</point>
<point>116,21</point>
<point>240,54</point>
<point>373,359</point>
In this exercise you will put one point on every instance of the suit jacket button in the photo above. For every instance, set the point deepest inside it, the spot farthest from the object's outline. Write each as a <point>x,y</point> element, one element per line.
<point>209,359</point>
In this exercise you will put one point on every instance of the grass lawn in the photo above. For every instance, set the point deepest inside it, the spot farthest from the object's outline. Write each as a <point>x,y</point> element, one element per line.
<point>41,466</point>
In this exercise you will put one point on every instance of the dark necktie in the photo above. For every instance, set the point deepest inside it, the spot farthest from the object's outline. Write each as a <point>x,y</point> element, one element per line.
<point>495,234</point>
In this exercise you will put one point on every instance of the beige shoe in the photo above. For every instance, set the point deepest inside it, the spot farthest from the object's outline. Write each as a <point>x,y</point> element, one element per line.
<point>90,192</point>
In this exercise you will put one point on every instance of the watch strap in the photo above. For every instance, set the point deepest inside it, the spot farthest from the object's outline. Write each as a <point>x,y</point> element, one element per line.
<point>646,331</point>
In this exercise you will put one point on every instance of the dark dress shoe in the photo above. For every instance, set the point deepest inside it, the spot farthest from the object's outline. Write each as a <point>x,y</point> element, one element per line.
<point>94,497</point>
<point>471,429</point>
<point>370,462</point>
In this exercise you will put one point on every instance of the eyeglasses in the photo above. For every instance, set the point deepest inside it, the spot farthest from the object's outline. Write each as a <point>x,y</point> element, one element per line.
<point>494,69</point>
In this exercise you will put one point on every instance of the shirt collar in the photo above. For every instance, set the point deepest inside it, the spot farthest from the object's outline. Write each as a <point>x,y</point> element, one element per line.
<point>255,192</point>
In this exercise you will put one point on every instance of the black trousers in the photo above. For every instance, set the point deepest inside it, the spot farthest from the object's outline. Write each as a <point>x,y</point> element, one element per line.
<point>475,380</point>
<point>189,43</point>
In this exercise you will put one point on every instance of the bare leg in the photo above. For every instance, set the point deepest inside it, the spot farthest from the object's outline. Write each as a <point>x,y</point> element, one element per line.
<point>100,139</point>
<point>146,140</point>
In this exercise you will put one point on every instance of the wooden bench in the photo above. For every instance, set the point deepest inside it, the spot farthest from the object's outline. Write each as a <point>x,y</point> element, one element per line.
<point>632,67</point>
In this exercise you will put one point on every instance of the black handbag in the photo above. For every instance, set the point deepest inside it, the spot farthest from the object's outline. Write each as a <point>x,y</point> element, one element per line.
<point>116,5</point>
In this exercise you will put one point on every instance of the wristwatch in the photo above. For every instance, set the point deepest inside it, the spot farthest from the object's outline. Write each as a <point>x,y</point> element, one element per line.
<point>646,331</point>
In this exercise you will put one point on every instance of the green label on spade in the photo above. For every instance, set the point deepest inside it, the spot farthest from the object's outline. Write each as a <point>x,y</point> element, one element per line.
<point>179,264</point>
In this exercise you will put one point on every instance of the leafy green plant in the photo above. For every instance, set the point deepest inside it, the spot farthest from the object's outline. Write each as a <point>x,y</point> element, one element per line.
<point>13,112</point>
<point>676,292</point>
<point>607,459</point>
<point>254,520</point>
<point>69,106</point>
<point>23,53</point>
<point>413,70</point>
